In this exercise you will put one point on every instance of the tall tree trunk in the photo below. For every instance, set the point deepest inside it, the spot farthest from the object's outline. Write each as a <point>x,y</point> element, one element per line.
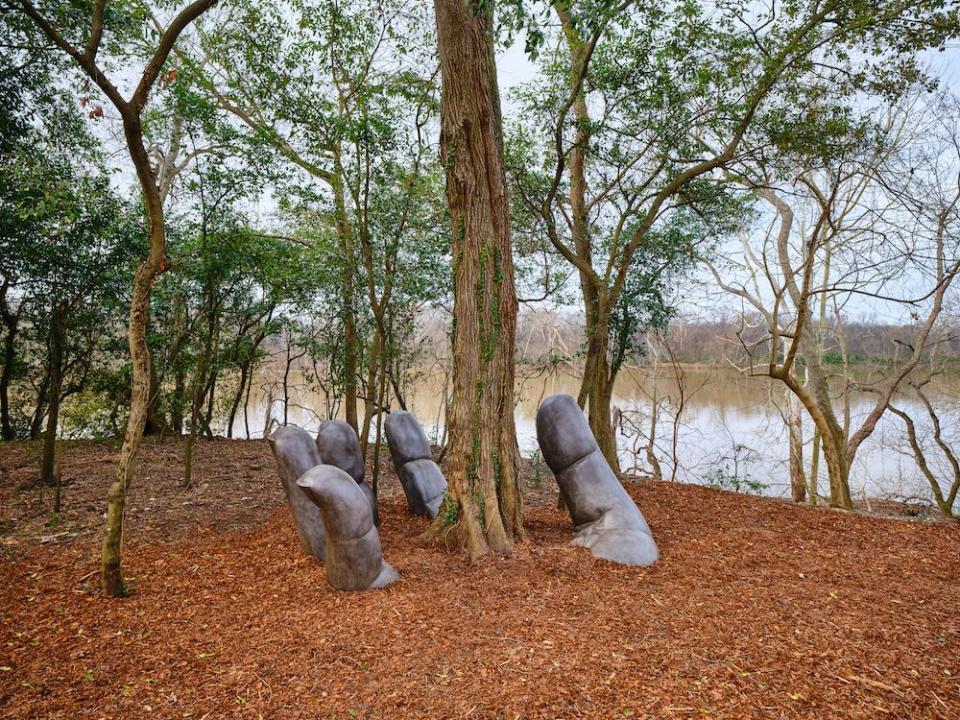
<point>11,321</point>
<point>198,392</point>
<point>206,418</point>
<point>48,474</point>
<point>246,409</point>
<point>286,386</point>
<point>143,281</point>
<point>814,479</point>
<point>483,495</point>
<point>651,446</point>
<point>378,441</point>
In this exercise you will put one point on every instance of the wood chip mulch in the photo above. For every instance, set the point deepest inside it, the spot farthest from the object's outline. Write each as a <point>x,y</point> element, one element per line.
<point>757,609</point>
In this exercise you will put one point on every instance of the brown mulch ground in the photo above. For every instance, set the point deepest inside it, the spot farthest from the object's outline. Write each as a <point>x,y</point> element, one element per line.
<point>756,609</point>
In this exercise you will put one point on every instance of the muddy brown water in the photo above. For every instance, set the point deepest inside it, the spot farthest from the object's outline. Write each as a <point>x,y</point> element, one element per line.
<point>730,433</point>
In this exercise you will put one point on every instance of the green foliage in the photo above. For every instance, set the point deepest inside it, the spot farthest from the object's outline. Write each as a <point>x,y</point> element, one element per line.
<point>648,299</point>
<point>227,290</point>
<point>730,471</point>
<point>449,510</point>
<point>834,357</point>
<point>540,469</point>
<point>339,97</point>
<point>721,479</point>
<point>328,110</point>
<point>681,98</point>
<point>68,241</point>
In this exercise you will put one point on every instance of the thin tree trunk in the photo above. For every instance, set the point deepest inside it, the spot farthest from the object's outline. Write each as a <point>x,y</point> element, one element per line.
<point>268,414</point>
<point>48,474</point>
<point>651,442</point>
<point>378,440</point>
<point>286,385</point>
<point>155,263</point>
<point>11,322</point>
<point>483,506</point>
<point>651,446</point>
<point>196,403</point>
<point>144,279</point>
<point>40,411</point>
<point>798,483</point>
<point>375,368</point>
<point>156,423</point>
<point>814,479</point>
<point>246,409</point>
<point>179,396</point>
<point>351,343</point>
<point>206,418</point>
<point>597,387</point>
<point>238,396</point>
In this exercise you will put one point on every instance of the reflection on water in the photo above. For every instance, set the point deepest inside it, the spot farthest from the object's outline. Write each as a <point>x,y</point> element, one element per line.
<point>731,425</point>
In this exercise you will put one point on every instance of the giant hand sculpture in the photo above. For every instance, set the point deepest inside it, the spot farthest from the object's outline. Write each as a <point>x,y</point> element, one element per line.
<point>422,481</point>
<point>295,453</point>
<point>605,518</point>
<point>339,446</point>
<point>354,558</point>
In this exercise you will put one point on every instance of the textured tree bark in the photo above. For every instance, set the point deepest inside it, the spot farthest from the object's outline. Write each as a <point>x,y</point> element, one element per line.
<point>813,396</point>
<point>237,397</point>
<point>483,509</point>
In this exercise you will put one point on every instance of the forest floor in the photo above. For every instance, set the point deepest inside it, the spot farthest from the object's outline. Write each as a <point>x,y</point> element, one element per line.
<point>757,608</point>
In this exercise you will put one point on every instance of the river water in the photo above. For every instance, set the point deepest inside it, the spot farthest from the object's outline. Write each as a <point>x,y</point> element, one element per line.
<point>730,433</point>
